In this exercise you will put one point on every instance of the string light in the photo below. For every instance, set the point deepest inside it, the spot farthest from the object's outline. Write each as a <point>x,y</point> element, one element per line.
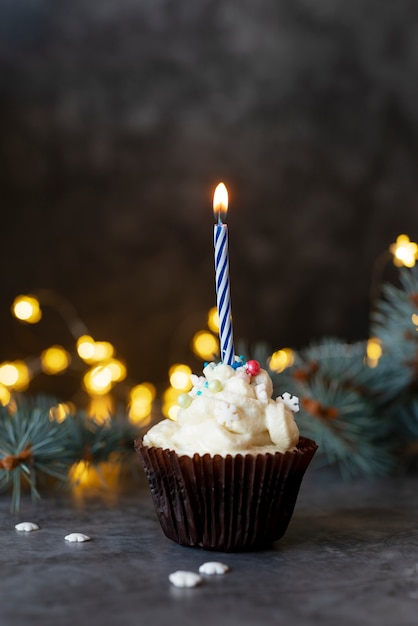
<point>373,351</point>
<point>213,319</point>
<point>27,309</point>
<point>405,251</point>
<point>105,369</point>
<point>55,360</point>
<point>169,405</point>
<point>117,369</point>
<point>100,407</point>
<point>93,351</point>
<point>15,375</point>
<point>85,347</point>
<point>205,345</point>
<point>141,398</point>
<point>281,359</point>
<point>5,395</point>
<point>98,380</point>
<point>61,411</point>
<point>179,376</point>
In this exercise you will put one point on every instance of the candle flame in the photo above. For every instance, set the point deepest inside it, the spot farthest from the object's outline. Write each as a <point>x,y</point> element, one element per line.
<point>220,202</point>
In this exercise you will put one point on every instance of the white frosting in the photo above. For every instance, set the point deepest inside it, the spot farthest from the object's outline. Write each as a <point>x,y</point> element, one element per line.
<point>79,537</point>
<point>182,578</point>
<point>26,526</point>
<point>213,567</point>
<point>239,417</point>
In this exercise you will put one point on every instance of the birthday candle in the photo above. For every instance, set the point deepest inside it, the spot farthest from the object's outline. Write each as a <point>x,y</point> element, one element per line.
<point>223,296</point>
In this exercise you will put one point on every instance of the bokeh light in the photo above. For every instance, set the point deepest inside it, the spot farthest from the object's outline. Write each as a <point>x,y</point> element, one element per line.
<point>281,359</point>
<point>373,351</point>
<point>141,398</point>
<point>85,347</point>
<point>405,251</point>
<point>15,375</point>
<point>55,360</point>
<point>205,345</point>
<point>94,351</point>
<point>100,407</point>
<point>213,319</point>
<point>117,369</point>
<point>169,405</point>
<point>27,309</point>
<point>98,380</point>
<point>5,395</point>
<point>61,411</point>
<point>179,375</point>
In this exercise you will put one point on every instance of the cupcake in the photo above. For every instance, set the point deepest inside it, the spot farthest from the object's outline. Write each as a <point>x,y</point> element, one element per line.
<point>226,473</point>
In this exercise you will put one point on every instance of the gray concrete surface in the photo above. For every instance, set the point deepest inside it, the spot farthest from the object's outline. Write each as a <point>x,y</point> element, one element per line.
<point>350,556</point>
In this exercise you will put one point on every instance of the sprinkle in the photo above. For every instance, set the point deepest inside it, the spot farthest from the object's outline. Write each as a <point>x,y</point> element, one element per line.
<point>198,393</point>
<point>184,400</point>
<point>182,578</point>
<point>215,385</point>
<point>292,402</point>
<point>213,567</point>
<point>253,367</point>
<point>78,537</point>
<point>26,526</point>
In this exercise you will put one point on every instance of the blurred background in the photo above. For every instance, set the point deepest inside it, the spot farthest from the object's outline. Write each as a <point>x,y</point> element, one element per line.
<point>117,121</point>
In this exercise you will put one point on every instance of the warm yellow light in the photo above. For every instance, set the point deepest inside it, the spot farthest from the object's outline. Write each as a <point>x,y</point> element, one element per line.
<point>85,347</point>
<point>213,319</point>
<point>220,202</point>
<point>179,376</point>
<point>169,406</point>
<point>5,395</point>
<point>98,380</point>
<point>100,407</point>
<point>172,412</point>
<point>117,369</point>
<point>414,319</point>
<point>405,252</point>
<point>281,359</point>
<point>374,348</point>
<point>140,403</point>
<point>205,345</point>
<point>15,375</point>
<point>60,412</point>
<point>140,411</point>
<point>8,374</point>
<point>94,351</point>
<point>144,391</point>
<point>373,351</point>
<point>103,350</point>
<point>79,473</point>
<point>55,360</point>
<point>27,309</point>
<point>87,477</point>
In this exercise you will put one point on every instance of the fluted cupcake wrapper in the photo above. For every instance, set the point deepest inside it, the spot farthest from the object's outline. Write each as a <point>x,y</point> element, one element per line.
<point>230,503</point>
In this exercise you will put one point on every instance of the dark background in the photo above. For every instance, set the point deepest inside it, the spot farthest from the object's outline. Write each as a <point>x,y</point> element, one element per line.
<point>118,119</point>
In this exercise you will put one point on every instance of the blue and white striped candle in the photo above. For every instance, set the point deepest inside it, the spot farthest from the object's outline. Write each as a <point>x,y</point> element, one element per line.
<point>223,296</point>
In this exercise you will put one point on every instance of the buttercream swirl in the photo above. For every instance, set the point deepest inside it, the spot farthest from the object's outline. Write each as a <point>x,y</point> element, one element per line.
<point>229,411</point>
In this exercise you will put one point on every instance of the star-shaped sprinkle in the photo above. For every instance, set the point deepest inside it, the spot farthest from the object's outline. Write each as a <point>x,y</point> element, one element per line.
<point>292,402</point>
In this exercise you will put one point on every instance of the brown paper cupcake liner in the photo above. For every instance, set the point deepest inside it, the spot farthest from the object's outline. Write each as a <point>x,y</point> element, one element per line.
<point>231,503</point>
